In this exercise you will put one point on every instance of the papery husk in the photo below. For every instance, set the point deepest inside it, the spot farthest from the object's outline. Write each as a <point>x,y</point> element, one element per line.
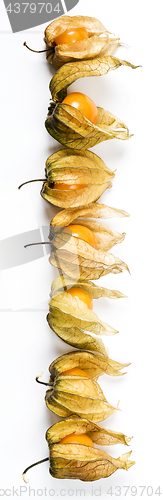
<point>75,257</point>
<point>70,72</point>
<point>76,337</point>
<point>69,126</point>
<point>92,47</point>
<point>79,260</point>
<point>73,335</point>
<point>93,364</point>
<point>79,461</point>
<point>93,210</point>
<point>75,167</point>
<point>84,463</point>
<point>106,238</point>
<point>62,283</point>
<point>80,395</point>
<point>78,425</point>
<point>71,311</point>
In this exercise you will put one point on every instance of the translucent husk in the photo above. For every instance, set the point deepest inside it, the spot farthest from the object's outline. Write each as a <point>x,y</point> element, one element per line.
<point>79,461</point>
<point>64,282</point>
<point>78,425</point>
<point>99,41</point>
<point>75,167</point>
<point>71,72</point>
<point>75,336</point>
<point>93,210</point>
<point>78,394</point>
<point>85,463</point>
<point>75,257</point>
<point>94,364</point>
<point>71,311</point>
<point>67,124</point>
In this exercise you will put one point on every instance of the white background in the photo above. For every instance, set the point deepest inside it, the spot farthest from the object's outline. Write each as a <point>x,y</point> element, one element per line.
<point>27,344</point>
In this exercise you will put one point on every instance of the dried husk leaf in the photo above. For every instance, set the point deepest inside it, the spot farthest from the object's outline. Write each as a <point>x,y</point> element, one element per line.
<point>70,72</point>
<point>69,126</point>
<point>79,260</point>
<point>92,47</point>
<point>80,395</point>
<point>94,364</point>
<point>62,283</point>
<point>78,425</point>
<point>73,198</point>
<point>94,210</point>
<point>74,312</point>
<point>75,167</point>
<point>84,463</point>
<point>84,162</point>
<point>74,256</point>
<point>76,337</point>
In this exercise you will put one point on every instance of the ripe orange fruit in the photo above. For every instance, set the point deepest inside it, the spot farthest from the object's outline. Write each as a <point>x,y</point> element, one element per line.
<point>72,35</point>
<point>66,187</point>
<point>75,371</point>
<point>82,295</point>
<point>83,103</point>
<point>77,438</point>
<point>82,232</point>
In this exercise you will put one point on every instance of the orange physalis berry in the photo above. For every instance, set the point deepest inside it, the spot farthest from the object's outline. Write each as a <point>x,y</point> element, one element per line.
<point>83,103</point>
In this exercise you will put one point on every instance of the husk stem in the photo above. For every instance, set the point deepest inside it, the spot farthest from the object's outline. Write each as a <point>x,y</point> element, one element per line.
<point>30,467</point>
<point>33,180</point>
<point>37,51</point>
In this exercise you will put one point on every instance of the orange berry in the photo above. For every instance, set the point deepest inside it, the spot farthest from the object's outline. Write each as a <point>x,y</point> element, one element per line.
<point>72,35</point>
<point>82,232</point>
<point>77,438</point>
<point>75,371</point>
<point>82,295</point>
<point>83,103</point>
<point>66,187</point>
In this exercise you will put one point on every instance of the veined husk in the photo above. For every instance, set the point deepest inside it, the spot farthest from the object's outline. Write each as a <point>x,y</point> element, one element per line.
<point>75,167</point>
<point>69,125</point>
<point>71,72</point>
<point>75,336</point>
<point>80,461</point>
<point>77,393</point>
<point>75,257</point>
<point>71,311</point>
<point>94,364</point>
<point>62,283</point>
<point>78,425</point>
<point>85,49</point>
<point>94,210</point>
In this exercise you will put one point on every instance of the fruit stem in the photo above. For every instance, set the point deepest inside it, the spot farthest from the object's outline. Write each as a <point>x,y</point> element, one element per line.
<point>38,51</point>
<point>44,383</point>
<point>30,467</point>
<point>40,243</point>
<point>33,180</point>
